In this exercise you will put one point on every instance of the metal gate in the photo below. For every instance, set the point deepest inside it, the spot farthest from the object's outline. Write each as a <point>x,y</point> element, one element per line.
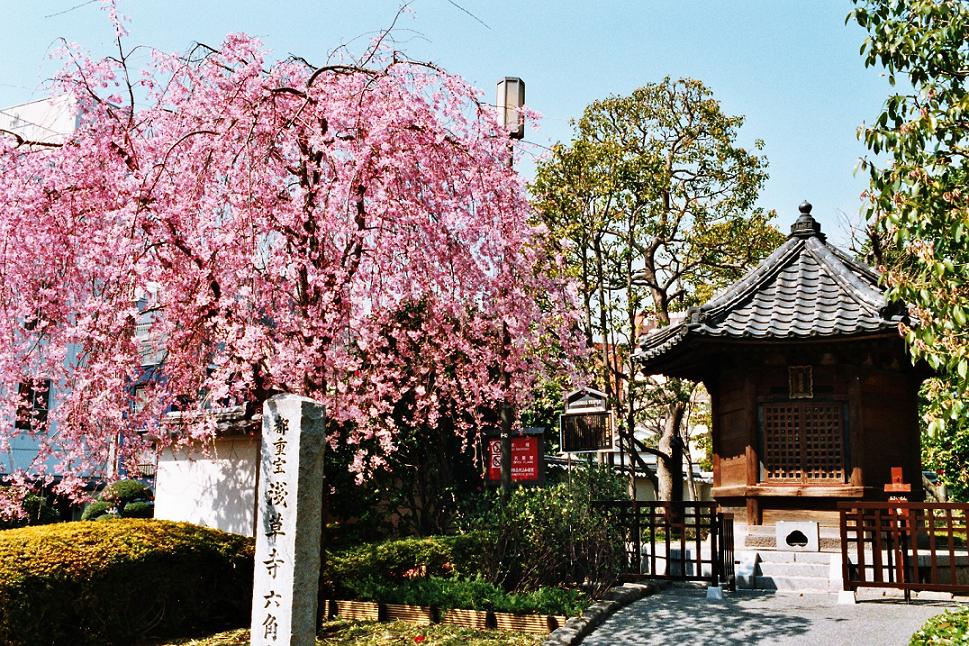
<point>674,541</point>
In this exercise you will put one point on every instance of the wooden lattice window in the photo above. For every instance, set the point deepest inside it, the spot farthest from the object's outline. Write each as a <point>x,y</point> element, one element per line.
<point>803,442</point>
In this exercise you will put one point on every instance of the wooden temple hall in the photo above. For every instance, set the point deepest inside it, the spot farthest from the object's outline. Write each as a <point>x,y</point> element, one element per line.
<point>814,398</point>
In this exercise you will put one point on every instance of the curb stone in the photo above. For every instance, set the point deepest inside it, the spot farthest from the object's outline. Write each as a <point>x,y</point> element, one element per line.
<point>576,628</point>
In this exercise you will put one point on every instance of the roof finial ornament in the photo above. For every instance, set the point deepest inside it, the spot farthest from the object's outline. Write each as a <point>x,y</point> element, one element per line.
<point>806,226</point>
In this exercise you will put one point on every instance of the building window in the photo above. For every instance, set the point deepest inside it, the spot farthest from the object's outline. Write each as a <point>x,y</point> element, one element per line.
<point>802,442</point>
<point>33,405</point>
<point>800,381</point>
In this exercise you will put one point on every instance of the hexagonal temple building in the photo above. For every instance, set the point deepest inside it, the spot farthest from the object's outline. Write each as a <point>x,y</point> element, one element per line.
<point>813,396</point>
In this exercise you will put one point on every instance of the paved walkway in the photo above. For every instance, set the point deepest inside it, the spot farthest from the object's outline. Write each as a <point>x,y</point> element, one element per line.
<point>682,615</point>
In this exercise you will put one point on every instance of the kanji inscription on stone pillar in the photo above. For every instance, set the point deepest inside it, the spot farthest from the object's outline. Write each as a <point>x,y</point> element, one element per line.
<point>288,521</point>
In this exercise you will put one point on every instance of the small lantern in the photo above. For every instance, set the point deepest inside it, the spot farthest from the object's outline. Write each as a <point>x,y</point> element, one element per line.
<point>511,98</point>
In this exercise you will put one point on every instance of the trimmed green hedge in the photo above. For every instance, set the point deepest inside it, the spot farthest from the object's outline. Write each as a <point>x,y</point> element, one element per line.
<point>125,498</point>
<point>96,509</point>
<point>947,628</point>
<point>125,491</point>
<point>138,509</point>
<point>120,581</point>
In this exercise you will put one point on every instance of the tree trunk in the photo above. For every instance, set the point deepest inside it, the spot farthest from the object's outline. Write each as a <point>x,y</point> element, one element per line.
<point>691,481</point>
<point>670,472</point>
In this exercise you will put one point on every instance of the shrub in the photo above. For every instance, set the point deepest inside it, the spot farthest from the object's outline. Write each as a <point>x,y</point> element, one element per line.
<point>126,498</point>
<point>124,491</point>
<point>406,558</point>
<point>947,628</point>
<point>37,511</point>
<point>552,536</point>
<point>548,601</point>
<point>121,581</point>
<point>96,509</point>
<point>470,594</point>
<point>138,510</point>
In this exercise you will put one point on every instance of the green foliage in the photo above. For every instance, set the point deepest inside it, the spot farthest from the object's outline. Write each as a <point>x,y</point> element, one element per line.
<point>442,571</point>
<point>471,594</point>
<point>951,627</point>
<point>125,498</point>
<point>591,481</point>
<point>96,509</point>
<point>553,535</point>
<point>547,403</point>
<point>138,510</point>
<point>120,581</point>
<point>652,207</point>
<point>627,194</point>
<point>37,511</point>
<point>549,536</point>
<point>919,204</point>
<point>404,559</point>
<point>417,492</point>
<point>125,491</point>
<point>948,453</point>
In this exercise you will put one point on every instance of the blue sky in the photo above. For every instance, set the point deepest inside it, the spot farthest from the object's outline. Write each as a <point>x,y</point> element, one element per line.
<point>792,67</point>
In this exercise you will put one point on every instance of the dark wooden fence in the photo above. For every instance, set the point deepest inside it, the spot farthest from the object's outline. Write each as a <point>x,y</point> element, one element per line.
<point>905,545</point>
<point>685,541</point>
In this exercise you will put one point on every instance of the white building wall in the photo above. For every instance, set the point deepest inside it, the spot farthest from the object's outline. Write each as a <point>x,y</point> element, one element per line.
<point>49,120</point>
<point>215,490</point>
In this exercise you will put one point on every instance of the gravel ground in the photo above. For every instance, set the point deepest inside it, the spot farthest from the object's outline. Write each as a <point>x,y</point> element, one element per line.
<point>682,615</point>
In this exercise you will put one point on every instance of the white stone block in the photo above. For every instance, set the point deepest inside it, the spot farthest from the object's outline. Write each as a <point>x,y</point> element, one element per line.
<point>746,569</point>
<point>847,598</point>
<point>797,536</point>
<point>934,595</point>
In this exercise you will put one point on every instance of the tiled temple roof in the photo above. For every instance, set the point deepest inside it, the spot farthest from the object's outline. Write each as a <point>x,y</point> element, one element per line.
<point>805,289</point>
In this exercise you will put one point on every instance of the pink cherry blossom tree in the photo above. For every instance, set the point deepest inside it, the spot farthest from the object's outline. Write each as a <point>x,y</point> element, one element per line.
<point>256,225</point>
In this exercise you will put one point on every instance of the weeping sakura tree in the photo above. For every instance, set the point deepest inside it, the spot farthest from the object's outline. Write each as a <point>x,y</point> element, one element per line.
<point>255,223</point>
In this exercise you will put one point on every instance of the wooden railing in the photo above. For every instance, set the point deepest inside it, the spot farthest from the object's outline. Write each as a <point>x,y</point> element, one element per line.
<point>905,545</point>
<point>684,541</point>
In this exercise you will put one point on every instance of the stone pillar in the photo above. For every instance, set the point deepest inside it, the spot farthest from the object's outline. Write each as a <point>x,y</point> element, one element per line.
<point>288,523</point>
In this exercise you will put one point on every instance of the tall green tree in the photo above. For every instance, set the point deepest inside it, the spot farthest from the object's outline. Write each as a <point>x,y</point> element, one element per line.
<point>652,206</point>
<point>918,203</point>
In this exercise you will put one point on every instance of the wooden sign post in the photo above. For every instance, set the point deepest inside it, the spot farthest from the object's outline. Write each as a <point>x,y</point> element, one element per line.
<point>898,487</point>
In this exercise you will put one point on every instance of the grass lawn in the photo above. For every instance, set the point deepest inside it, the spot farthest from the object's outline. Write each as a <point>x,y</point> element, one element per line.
<point>366,633</point>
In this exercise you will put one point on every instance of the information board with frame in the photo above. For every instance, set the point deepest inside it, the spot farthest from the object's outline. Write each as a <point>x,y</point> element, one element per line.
<point>587,432</point>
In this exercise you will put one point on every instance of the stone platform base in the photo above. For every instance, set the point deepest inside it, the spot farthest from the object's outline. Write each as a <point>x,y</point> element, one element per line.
<point>754,537</point>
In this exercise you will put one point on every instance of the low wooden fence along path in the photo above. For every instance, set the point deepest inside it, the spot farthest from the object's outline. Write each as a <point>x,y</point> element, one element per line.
<point>905,545</point>
<point>674,541</point>
<point>425,615</point>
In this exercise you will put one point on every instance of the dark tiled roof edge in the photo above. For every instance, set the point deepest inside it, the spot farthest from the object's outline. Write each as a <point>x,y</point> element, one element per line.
<point>843,295</point>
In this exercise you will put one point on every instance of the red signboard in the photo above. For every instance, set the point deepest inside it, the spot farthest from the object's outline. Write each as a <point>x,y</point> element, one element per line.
<point>526,456</point>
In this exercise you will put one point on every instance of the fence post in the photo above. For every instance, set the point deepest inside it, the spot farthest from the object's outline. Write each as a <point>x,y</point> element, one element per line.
<point>714,591</point>
<point>716,551</point>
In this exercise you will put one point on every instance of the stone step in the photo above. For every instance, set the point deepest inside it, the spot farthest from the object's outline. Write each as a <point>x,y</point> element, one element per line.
<point>819,570</point>
<point>782,556</point>
<point>793,584</point>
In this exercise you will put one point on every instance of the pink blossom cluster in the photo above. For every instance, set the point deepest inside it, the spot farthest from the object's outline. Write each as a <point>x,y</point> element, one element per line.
<point>263,228</point>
